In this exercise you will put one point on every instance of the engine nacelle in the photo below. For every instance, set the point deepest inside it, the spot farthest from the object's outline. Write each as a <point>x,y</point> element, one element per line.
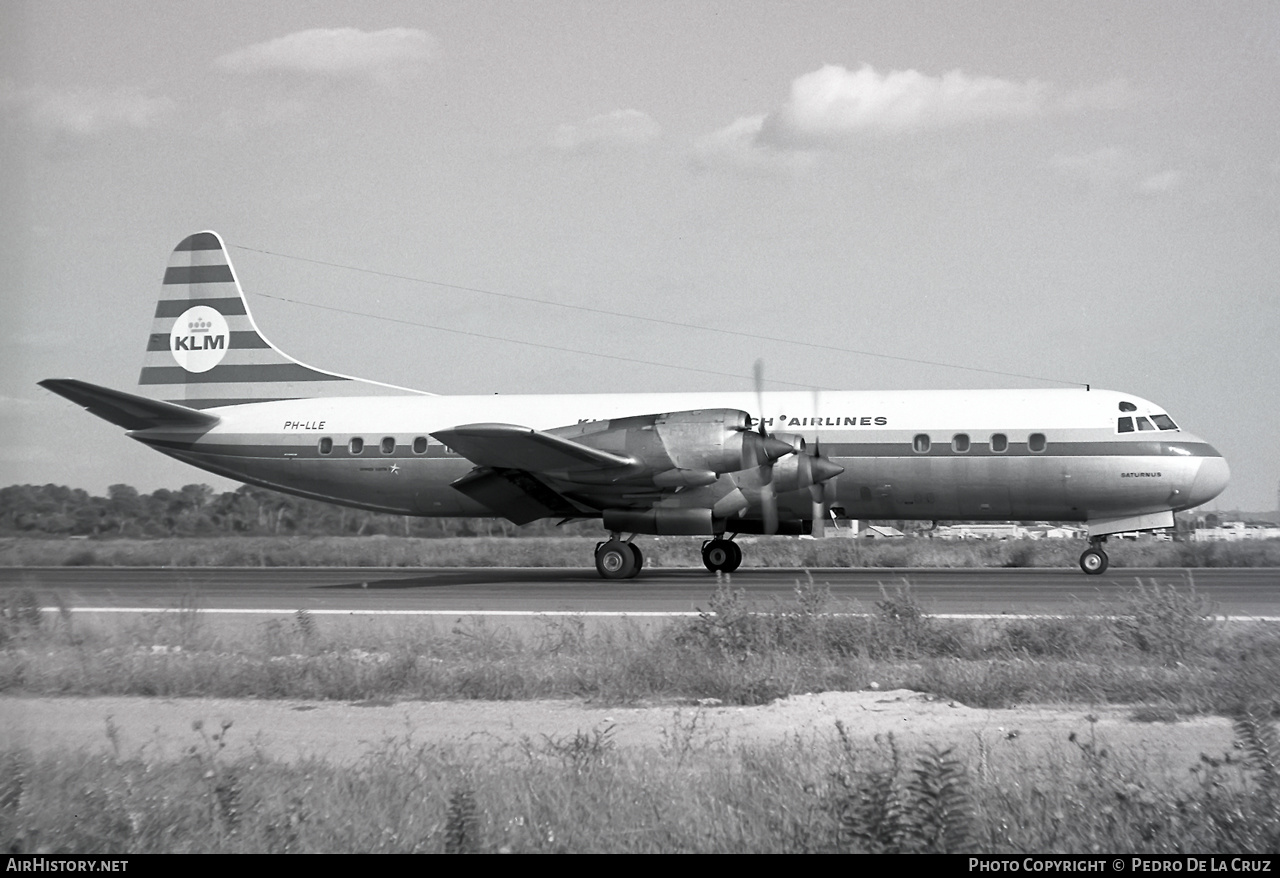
<point>699,441</point>
<point>667,522</point>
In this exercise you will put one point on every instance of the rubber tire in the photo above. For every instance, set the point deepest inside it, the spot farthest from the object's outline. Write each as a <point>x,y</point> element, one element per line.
<point>719,556</point>
<point>639,558</point>
<point>616,560</point>
<point>1094,562</point>
<point>736,560</point>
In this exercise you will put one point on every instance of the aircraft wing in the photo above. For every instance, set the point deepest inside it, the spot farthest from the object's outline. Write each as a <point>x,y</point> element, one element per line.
<point>125,409</point>
<point>507,446</point>
<point>517,466</point>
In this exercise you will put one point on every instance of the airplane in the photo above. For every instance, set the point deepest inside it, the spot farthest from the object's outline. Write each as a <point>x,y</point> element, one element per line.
<point>219,396</point>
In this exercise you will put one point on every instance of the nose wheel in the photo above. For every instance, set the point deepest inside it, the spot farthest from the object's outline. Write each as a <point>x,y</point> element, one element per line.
<point>721,556</point>
<point>617,559</point>
<point>1094,561</point>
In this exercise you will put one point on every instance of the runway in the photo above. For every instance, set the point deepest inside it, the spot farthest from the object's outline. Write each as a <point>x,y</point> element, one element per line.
<point>1252,592</point>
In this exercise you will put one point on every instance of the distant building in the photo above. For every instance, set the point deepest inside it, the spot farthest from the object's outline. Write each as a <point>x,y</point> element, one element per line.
<point>881,532</point>
<point>1233,531</point>
<point>1008,531</point>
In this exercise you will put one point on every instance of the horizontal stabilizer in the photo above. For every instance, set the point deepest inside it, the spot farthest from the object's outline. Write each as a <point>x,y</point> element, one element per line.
<point>506,446</point>
<point>125,409</point>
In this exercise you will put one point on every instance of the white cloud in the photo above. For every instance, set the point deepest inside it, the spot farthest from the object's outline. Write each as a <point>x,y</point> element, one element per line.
<point>384,56</point>
<point>835,108</point>
<point>1115,169</point>
<point>84,112</point>
<point>621,128</point>
<point>737,147</point>
<point>831,105</point>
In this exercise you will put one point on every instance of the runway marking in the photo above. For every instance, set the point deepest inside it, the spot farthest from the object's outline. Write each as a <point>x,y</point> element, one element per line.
<point>604,614</point>
<point>323,612</point>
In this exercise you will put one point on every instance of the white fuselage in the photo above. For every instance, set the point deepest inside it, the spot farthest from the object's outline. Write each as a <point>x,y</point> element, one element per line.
<point>930,454</point>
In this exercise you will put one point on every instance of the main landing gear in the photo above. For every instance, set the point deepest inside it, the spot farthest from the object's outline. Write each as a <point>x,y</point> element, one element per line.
<point>1094,561</point>
<point>721,555</point>
<point>618,559</point>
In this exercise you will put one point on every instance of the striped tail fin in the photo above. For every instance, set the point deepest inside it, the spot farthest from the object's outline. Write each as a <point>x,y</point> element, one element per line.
<point>205,350</point>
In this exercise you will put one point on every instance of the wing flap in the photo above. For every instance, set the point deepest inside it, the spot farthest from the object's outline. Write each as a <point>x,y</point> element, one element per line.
<point>507,446</point>
<point>126,409</point>
<point>515,495</point>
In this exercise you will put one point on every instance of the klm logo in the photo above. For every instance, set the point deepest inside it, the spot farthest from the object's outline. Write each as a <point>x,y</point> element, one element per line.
<point>199,339</point>
<point>199,342</point>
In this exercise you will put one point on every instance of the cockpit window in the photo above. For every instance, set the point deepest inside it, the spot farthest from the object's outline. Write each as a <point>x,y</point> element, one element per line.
<point>1164,422</point>
<point>1144,424</point>
<point>1128,407</point>
<point>1124,425</point>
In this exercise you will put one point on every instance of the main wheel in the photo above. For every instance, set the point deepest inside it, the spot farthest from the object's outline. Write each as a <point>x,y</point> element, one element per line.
<point>735,559</point>
<point>1094,561</point>
<point>721,556</point>
<point>639,556</point>
<point>617,560</point>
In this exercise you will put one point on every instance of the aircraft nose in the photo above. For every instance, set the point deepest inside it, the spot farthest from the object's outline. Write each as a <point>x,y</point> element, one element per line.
<point>1211,478</point>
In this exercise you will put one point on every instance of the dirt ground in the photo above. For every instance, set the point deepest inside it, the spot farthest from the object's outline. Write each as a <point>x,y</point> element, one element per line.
<point>162,729</point>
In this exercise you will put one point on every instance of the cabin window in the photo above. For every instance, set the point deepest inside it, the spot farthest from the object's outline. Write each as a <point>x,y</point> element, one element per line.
<point>388,444</point>
<point>420,445</point>
<point>1035,442</point>
<point>999,443</point>
<point>1164,422</point>
<point>356,445</point>
<point>1128,407</point>
<point>326,445</point>
<point>1144,424</point>
<point>960,443</point>
<point>921,443</point>
<point>1124,425</point>
<point>864,494</point>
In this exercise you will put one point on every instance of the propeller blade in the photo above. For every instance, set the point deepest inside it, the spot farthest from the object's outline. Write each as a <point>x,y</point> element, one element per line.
<point>758,371</point>
<point>771,450</point>
<point>822,488</point>
<point>769,505</point>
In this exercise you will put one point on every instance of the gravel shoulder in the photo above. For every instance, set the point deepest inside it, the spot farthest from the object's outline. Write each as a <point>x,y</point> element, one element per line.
<point>158,729</point>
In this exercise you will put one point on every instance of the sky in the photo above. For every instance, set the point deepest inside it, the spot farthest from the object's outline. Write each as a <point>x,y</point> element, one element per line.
<point>473,197</point>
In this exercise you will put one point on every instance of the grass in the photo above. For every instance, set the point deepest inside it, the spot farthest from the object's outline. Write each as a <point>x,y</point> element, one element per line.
<point>581,793</point>
<point>1161,649</point>
<point>382,551</point>
<point>1161,646</point>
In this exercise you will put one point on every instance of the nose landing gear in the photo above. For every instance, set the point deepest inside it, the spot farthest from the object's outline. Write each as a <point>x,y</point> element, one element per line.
<point>1094,561</point>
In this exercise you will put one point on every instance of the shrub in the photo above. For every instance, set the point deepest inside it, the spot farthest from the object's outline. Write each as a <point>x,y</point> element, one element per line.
<point>1168,623</point>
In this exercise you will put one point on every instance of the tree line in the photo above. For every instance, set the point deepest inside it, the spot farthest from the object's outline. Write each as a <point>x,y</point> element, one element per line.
<point>198,510</point>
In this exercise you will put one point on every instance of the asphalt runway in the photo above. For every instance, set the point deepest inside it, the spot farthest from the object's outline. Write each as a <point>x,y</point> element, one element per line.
<point>1234,591</point>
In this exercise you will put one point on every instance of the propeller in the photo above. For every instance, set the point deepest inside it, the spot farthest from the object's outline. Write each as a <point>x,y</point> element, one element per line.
<point>822,488</point>
<point>807,469</point>
<point>768,498</point>
<point>822,485</point>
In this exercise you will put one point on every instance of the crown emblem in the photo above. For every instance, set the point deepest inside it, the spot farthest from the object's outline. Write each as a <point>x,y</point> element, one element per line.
<point>199,326</point>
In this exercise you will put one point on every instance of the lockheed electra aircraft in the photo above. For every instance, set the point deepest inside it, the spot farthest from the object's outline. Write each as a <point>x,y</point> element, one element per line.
<point>221,397</point>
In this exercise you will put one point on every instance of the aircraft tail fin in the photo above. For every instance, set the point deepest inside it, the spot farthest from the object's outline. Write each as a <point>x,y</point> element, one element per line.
<point>205,350</point>
<point>126,409</point>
